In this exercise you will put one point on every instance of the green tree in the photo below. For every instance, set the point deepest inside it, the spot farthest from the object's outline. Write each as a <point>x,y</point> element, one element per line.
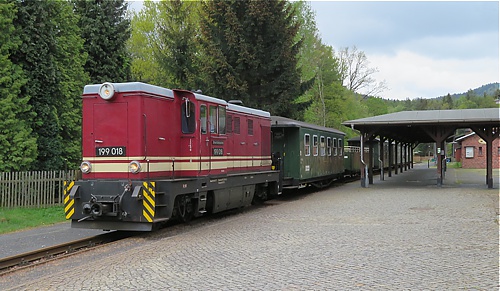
<point>376,106</point>
<point>70,58</point>
<point>251,54</point>
<point>38,31</point>
<point>447,102</point>
<point>52,58</point>
<point>142,45</point>
<point>106,30</point>
<point>18,148</point>
<point>177,50</point>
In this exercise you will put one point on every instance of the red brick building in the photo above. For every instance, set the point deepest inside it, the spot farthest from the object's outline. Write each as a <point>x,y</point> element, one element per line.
<point>471,151</point>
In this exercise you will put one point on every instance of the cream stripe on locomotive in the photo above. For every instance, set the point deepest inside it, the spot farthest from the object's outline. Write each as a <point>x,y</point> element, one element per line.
<point>186,164</point>
<point>189,159</point>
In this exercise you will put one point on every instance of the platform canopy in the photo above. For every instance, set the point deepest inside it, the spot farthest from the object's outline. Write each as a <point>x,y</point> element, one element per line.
<point>419,126</point>
<point>413,127</point>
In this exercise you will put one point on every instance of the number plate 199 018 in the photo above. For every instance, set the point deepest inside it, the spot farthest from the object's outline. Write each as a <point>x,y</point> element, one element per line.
<point>110,151</point>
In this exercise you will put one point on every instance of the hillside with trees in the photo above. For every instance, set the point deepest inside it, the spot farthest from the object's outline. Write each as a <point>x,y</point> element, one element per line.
<point>266,53</point>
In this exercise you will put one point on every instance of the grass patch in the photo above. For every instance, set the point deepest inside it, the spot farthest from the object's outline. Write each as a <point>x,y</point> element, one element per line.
<point>455,165</point>
<point>23,218</point>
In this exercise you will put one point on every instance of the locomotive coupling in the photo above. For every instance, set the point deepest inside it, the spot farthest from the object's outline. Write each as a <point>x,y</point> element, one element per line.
<point>97,209</point>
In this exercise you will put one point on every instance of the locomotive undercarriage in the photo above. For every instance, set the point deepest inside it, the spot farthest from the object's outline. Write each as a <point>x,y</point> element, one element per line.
<point>144,205</point>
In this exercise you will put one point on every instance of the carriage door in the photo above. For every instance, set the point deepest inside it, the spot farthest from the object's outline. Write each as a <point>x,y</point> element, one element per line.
<point>205,140</point>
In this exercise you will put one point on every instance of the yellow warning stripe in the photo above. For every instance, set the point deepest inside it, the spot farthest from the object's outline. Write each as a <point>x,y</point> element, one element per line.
<point>148,202</point>
<point>69,204</point>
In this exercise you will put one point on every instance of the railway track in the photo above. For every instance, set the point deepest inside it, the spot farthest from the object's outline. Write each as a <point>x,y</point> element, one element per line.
<point>17,262</point>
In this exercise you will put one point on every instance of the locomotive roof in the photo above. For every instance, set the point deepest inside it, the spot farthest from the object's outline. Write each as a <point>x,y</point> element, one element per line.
<point>278,121</point>
<point>232,107</point>
<point>131,87</point>
<point>143,87</point>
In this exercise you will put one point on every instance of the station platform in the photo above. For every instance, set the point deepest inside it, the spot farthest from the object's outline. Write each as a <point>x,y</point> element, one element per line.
<point>424,175</point>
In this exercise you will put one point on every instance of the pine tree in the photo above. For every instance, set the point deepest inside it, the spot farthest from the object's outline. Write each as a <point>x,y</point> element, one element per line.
<point>106,30</point>
<point>52,58</point>
<point>70,60</point>
<point>251,54</point>
<point>35,55</point>
<point>17,145</point>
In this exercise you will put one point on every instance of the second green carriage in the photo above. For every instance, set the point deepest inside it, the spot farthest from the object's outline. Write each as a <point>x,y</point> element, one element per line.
<point>307,153</point>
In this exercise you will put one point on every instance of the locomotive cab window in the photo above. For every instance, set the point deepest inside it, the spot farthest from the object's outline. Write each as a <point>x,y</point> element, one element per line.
<point>307,145</point>
<point>213,119</point>
<point>188,117</point>
<point>222,120</point>
<point>203,118</point>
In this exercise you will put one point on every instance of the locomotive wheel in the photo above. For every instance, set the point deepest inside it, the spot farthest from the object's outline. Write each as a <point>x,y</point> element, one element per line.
<point>184,208</point>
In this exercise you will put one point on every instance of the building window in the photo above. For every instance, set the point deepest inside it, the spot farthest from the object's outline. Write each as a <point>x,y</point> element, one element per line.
<point>499,151</point>
<point>480,152</point>
<point>315,145</point>
<point>329,146</point>
<point>469,152</point>
<point>307,145</point>
<point>322,146</point>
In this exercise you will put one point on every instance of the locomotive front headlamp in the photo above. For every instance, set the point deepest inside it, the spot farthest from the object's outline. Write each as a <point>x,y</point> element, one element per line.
<point>86,167</point>
<point>134,167</point>
<point>107,91</point>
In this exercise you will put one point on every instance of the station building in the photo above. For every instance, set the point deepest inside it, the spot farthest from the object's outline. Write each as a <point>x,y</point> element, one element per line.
<point>470,150</point>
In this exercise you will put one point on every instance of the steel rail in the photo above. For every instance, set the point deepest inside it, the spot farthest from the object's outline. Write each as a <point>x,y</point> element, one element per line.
<point>46,254</point>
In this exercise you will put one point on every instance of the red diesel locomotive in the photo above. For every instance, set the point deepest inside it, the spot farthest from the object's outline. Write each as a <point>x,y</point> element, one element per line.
<point>151,154</point>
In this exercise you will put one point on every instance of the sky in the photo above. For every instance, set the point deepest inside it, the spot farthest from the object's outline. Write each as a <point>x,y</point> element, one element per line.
<point>422,49</point>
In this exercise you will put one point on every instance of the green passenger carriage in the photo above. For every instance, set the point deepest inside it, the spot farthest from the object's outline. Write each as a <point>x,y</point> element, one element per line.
<point>306,153</point>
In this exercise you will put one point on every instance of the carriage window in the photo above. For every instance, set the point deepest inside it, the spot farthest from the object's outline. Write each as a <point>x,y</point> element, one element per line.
<point>188,117</point>
<point>250,127</point>
<point>315,145</point>
<point>222,120</point>
<point>341,147</point>
<point>203,118</point>
<point>236,128</point>
<point>213,119</point>
<point>334,146</point>
<point>307,145</point>
<point>322,146</point>
<point>329,146</point>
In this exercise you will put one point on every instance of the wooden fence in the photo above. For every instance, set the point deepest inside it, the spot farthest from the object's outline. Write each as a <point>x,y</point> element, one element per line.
<point>33,189</point>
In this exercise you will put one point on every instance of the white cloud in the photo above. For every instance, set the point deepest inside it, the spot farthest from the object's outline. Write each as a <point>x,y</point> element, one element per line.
<point>411,75</point>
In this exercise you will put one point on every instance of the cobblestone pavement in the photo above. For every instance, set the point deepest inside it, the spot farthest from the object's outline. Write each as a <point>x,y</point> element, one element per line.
<point>344,238</point>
